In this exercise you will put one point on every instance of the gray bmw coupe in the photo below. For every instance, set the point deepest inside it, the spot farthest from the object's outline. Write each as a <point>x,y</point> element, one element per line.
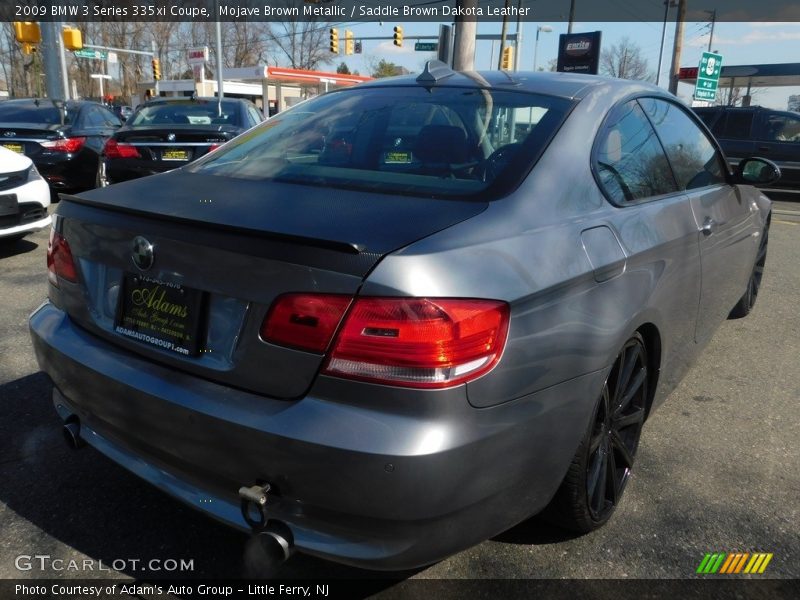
<point>403,317</point>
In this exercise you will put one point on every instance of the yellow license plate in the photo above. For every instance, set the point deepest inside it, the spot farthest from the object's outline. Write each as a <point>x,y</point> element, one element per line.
<point>174,154</point>
<point>18,148</point>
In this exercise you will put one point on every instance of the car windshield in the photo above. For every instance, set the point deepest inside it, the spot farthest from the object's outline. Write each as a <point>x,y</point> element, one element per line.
<point>193,112</point>
<point>440,141</point>
<point>46,113</point>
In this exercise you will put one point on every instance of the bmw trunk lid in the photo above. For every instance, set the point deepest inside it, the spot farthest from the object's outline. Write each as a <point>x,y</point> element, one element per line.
<point>206,256</point>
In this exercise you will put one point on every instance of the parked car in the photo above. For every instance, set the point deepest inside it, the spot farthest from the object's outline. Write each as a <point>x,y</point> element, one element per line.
<point>63,139</point>
<point>754,130</point>
<point>24,197</point>
<point>167,133</point>
<point>382,329</point>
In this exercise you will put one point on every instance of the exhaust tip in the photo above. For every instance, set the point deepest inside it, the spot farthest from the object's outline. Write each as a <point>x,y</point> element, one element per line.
<point>72,433</point>
<point>268,549</point>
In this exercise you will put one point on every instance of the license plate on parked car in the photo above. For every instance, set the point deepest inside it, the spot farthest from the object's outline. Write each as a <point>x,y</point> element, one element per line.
<point>175,154</point>
<point>159,313</point>
<point>8,205</point>
<point>18,148</point>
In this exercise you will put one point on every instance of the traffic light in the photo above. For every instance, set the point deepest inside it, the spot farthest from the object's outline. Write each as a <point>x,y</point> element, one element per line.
<point>334,40</point>
<point>398,36</point>
<point>27,32</point>
<point>358,47</point>
<point>156,70</point>
<point>29,48</point>
<point>73,40</point>
<point>349,42</point>
<point>508,58</point>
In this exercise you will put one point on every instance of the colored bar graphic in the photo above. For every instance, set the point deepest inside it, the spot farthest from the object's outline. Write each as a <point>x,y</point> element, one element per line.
<point>733,563</point>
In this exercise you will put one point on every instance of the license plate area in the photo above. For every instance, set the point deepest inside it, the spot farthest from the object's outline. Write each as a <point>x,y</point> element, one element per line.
<point>18,148</point>
<point>174,154</point>
<point>161,314</point>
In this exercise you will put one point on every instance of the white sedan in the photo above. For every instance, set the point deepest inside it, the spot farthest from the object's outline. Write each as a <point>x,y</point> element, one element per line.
<point>24,197</point>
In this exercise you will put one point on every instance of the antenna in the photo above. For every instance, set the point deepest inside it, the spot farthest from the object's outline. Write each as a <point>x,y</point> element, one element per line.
<point>435,70</point>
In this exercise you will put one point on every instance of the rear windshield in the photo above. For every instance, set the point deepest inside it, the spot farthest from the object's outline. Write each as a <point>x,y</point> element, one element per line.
<point>404,140</point>
<point>186,113</point>
<point>46,113</point>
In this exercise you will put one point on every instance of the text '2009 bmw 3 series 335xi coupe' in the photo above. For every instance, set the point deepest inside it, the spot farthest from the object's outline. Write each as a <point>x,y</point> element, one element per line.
<point>403,317</point>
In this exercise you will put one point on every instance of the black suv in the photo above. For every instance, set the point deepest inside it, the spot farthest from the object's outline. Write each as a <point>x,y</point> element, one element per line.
<point>758,131</point>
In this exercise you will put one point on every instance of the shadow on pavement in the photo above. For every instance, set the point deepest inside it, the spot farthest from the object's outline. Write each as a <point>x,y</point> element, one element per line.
<point>14,248</point>
<point>81,500</point>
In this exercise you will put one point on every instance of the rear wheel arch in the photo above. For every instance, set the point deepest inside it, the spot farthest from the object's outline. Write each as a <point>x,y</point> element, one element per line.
<point>652,342</point>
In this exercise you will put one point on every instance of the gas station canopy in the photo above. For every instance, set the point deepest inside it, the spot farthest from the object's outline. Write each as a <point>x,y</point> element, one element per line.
<point>784,74</point>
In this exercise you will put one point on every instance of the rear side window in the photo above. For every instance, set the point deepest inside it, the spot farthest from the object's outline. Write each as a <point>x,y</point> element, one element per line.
<point>694,159</point>
<point>781,128</point>
<point>629,160</point>
<point>736,125</point>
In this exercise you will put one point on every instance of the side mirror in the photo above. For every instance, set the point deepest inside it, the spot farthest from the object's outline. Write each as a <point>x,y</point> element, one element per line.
<point>757,171</point>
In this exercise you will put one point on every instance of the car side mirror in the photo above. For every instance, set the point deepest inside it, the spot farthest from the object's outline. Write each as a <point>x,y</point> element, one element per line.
<point>757,171</point>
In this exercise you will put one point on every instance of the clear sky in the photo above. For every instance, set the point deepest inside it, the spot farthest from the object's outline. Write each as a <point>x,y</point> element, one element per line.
<point>739,44</point>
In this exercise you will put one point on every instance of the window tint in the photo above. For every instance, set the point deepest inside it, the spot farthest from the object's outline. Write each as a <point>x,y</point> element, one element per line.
<point>199,112</point>
<point>737,125</point>
<point>109,118</point>
<point>29,112</point>
<point>693,157</point>
<point>630,161</point>
<point>440,141</point>
<point>92,117</point>
<point>781,128</point>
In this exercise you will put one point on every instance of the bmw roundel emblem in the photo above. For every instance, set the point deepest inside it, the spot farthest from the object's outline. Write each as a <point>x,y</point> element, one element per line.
<point>142,253</point>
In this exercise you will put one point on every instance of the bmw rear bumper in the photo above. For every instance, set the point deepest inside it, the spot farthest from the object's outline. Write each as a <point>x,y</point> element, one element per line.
<point>368,475</point>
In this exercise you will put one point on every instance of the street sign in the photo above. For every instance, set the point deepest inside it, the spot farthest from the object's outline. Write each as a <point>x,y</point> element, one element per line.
<point>89,53</point>
<point>426,46</point>
<point>708,76</point>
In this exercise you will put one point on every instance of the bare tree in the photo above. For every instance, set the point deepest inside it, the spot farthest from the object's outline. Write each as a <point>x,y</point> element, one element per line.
<point>303,45</point>
<point>624,60</point>
<point>734,97</point>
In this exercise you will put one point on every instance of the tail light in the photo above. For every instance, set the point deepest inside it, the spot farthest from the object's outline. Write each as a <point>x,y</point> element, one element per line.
<point>213,147</point>
<point>72,144</point>
<point>304,321</point>
<point>114,149</point>
<point>59,259</point>
<point>409,342</point>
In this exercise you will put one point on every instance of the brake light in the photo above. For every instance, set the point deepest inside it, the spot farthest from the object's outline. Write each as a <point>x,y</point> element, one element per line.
<point>304,321</point>
<point>73,144</point>
<point>114,149</point>
<point>59,259</point>
<point>419,342</point>
<point>214,147</point>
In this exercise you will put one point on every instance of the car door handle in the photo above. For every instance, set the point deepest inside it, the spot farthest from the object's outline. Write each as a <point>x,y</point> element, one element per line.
<point>709,225</point>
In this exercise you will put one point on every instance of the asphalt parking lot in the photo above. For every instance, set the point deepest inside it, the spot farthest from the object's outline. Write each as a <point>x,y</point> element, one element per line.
<point>718,467</point>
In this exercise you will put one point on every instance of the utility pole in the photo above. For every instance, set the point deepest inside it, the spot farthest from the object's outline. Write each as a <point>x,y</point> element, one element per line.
<point>53,61</point>
<point>677,48</point>
<point>713,21</point>
<point>503,31</point>
<point>464,46</point>
<point>518,49</point>
<point>667,5</point>
<point>571,15</point>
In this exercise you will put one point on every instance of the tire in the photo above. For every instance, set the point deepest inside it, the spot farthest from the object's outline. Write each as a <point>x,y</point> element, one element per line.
<point>748,300</point>
<point>601,467</point>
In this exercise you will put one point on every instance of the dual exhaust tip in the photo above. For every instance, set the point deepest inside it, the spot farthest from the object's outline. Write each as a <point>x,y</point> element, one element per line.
<point>275,542</point>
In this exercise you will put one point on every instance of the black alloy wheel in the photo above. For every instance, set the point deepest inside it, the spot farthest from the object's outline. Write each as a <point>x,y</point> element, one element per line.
<point>604,460</point>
